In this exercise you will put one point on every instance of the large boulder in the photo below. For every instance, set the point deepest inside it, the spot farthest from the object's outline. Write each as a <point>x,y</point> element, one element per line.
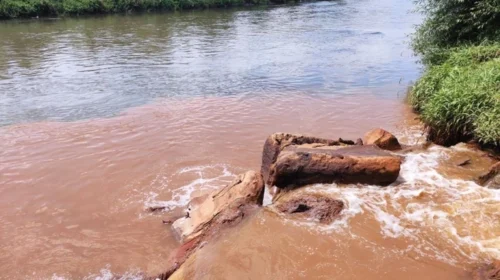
<point>276,142</point>
<point>382,139</point>
<point>299,165</point>
<point>490,178</point>
<point>247,189</point>
<point>210,214</point>
<point>306,205</point>
<point>226,218</point>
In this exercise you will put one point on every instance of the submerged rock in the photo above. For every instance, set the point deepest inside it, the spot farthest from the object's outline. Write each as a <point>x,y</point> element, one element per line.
<point>299,165</point>
<point>309,206</point>
<point>490,178</point>
<point>247,189</point>
<point>463,161</point>
<point>382,139</point>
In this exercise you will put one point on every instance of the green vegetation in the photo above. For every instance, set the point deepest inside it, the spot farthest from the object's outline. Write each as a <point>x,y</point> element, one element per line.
<point>455,23</point>
<point>458,96</point>
<point>460,99</point>
<point>33,8</point>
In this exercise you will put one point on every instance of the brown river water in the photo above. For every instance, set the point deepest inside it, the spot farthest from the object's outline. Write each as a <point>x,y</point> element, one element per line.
<point>104,117</point>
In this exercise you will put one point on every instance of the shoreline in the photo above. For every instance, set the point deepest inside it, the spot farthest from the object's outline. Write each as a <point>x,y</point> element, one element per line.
<point>55,11</point>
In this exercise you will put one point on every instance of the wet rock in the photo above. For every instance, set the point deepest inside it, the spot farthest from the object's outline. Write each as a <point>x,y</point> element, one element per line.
<point>220,207</point>
<point>277,142</point>
<point>178,257</point>
<point>417,148</point>
<point>210,214</point>
<point>490,178</point>
<point>309,206</point>
<point>172,216</point>
<point>487,272</point>
<point>463,162</point>
<point>153,209</point>
<point>228,217</point>
<point>383,139</point>
<point>298,165</point>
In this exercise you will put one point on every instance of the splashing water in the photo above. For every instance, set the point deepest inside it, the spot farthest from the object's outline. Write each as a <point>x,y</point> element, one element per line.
<point>206,178</point>
<point>447,219</point>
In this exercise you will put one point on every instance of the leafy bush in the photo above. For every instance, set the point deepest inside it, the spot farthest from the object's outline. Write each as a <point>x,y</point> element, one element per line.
<point>15,8</point>
<point>452,23</point>
<point>488,125</point>
<point>76,7</point>
<point>31,8</point>
<point>460,98</point>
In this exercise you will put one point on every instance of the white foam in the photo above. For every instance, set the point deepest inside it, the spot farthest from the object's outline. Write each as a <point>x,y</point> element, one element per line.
<point>422,206</point>
<point>183,194</point>
<point>268,198</point>
<point>425,207</point>
<point>107,274</point>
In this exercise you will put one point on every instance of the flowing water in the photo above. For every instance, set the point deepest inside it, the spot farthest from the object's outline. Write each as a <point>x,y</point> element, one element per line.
<point>104,116</point>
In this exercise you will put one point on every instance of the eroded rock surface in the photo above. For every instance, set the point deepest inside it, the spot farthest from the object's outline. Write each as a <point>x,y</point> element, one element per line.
<point>247,189</point>
<point>306,205</point>
<point>298,165</point>
<point>382,139</point>
<point>228,217</point>
<point>277,142</point>
<point>491,178</point>
<point>209,214</point>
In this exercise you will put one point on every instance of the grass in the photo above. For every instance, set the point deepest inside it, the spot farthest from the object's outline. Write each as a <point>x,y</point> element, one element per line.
<point>38,8</point>
<point>459,98</point>
<point>459,94</point>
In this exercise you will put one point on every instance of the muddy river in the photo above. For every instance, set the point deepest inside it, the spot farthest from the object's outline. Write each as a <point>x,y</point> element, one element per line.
<point>102,117</point>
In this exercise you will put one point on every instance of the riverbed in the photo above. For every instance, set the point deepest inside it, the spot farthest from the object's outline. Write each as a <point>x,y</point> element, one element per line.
<point>102,117</point>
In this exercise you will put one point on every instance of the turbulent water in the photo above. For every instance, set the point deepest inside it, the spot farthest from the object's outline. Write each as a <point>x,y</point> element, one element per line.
<point>104,116</point>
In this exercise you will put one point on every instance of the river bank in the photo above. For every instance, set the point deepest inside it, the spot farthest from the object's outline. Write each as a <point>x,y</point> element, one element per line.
<point>459,98</point>
<point>459,94</point>
<point>10,9</point>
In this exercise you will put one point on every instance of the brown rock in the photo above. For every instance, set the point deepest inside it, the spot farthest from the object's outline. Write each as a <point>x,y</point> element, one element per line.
<point>463,161</point>
<point>309,205</point>
<point>278,141</point>
<point>184,271</point>
<point>487,272</point>
<point>415,148</point>
<point>297,166</point>
<point>491,178</point>
<point>228,217</point>
<point>202,213</point>
<point>178,257</point>
<point>382,139</point>
<point>156,208</point>
<point>208,215</point>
